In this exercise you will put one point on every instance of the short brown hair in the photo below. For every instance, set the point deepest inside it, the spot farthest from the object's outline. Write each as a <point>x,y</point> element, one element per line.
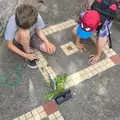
<point>26,16</point>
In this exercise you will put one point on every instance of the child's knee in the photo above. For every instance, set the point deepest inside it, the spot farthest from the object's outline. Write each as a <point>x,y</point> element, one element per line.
<point>43,47</point>
<point>22,35</point>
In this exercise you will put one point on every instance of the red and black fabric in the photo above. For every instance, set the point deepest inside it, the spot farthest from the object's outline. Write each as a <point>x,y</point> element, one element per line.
<point>90,19</point>
<point>107,8</point>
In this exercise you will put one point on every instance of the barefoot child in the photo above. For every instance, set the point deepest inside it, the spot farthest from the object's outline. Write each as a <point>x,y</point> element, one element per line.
<point>23,30</point>
<point>98,19</point>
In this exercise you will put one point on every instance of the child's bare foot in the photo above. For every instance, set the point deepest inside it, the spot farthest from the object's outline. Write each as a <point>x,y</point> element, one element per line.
<point>81,47</point>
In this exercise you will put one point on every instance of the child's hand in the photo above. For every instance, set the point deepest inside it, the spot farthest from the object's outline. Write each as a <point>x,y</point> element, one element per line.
<point>31,57</point>
<point>50,48</point>
<point>81,47</point>
<point>93,59</point>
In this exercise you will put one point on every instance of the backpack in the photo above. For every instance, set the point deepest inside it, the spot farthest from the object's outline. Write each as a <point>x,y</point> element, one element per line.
<point>107,10</point>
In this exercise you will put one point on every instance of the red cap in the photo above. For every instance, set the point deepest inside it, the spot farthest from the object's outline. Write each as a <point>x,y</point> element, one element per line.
<point>91,18</point>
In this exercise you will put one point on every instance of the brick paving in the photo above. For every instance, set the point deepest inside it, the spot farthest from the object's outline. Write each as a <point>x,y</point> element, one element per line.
<point>48,111</point>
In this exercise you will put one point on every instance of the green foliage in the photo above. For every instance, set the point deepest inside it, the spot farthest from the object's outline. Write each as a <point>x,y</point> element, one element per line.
<point>60,82</point>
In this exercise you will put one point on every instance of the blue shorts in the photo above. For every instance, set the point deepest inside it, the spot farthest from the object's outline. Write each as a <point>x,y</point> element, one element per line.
<point>83,34</point>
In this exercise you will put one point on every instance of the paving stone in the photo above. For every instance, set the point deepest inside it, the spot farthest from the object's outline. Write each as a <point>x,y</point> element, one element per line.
<point>34,112</point>
<point>16,119</point>
<point>31,118</point>
<point>115,59</point>
<point>52,117</point>
<point>69,48</point>
<point>50,107</point>
<point>28,115</point>
<point>22,117</point>
<point>43,115</point>
<point>37,117</point>
<point>60,118</point>
<point>57,114</point>
<point>45,118</point>
<point>40,109</point>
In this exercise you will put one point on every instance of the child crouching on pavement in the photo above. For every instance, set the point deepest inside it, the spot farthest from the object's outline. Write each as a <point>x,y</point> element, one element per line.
<point>23,32</point>
<point>88,24</point>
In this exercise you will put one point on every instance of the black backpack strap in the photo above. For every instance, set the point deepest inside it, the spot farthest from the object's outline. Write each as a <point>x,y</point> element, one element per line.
<point>109,35</point>
<point>98,29</point>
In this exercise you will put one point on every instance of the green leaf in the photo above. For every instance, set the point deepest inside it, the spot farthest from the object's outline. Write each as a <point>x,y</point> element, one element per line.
<point>60,81</point>
<point>49,96</point>
<point>58,78</point>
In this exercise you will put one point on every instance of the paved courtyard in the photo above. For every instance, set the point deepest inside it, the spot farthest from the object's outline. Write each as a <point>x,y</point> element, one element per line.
<point>95,89</point>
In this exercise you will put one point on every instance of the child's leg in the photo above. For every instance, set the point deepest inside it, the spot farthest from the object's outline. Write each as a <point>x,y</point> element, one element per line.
<point>74,31</point>
<point>37,43</point>
<point>23,38</point>
<point>81,46</point>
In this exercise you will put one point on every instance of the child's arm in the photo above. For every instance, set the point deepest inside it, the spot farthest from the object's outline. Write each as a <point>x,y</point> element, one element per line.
<point>42,36</point>
<point>50,47</point>
<point>13,48</point>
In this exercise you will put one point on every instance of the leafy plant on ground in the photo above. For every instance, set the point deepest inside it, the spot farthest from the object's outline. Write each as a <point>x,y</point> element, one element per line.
<point>60,87</point>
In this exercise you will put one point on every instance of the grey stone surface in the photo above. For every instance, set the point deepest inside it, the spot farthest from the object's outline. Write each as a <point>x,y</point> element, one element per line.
<point>94,99</point>
<point>69,64</point>
<point>23,97</point>
<point>116,36</point>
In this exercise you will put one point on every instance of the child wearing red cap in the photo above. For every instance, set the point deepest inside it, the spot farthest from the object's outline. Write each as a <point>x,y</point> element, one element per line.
<point>88,24</point>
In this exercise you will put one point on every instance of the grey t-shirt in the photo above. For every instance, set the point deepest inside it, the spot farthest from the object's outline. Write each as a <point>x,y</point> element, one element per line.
<point>12,27</point>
